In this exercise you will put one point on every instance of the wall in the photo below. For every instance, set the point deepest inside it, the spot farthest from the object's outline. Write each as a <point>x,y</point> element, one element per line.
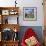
<point>26,3</point>
<point>32,3</point>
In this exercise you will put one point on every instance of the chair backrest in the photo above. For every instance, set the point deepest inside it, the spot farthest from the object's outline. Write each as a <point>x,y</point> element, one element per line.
<point>29,32</point>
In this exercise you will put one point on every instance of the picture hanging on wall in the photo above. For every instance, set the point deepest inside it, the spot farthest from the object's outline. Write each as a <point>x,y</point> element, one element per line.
<point>30,13</point>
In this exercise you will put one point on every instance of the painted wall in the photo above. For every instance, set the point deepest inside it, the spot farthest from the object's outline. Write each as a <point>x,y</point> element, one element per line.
<point>32,3</point>
<point>26,3</point>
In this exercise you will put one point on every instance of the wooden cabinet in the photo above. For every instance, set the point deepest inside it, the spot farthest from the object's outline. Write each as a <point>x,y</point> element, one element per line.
<point>9,24</point>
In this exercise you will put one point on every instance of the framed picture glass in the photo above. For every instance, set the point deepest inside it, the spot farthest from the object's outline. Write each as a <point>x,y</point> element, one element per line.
<point>5,12</point>
<point>30,13</point>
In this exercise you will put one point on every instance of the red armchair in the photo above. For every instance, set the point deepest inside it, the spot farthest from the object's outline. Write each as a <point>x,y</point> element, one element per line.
<point>28,34</point>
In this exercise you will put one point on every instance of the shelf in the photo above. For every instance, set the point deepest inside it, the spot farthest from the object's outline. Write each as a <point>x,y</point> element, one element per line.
<point>11,26</point>
<point>7,16</point>
<point>9,10</point>
<point>11,41</point>
<point>6,12</point>
<point>10,19</point>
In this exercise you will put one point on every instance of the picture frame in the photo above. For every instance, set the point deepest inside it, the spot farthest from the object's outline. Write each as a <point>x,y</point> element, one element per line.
<point>30,13</point>
<point>5,12</point>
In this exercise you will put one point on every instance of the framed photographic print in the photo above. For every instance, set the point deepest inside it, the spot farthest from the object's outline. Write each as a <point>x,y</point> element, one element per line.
<point>5,12</point>
<point>30,13</point>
